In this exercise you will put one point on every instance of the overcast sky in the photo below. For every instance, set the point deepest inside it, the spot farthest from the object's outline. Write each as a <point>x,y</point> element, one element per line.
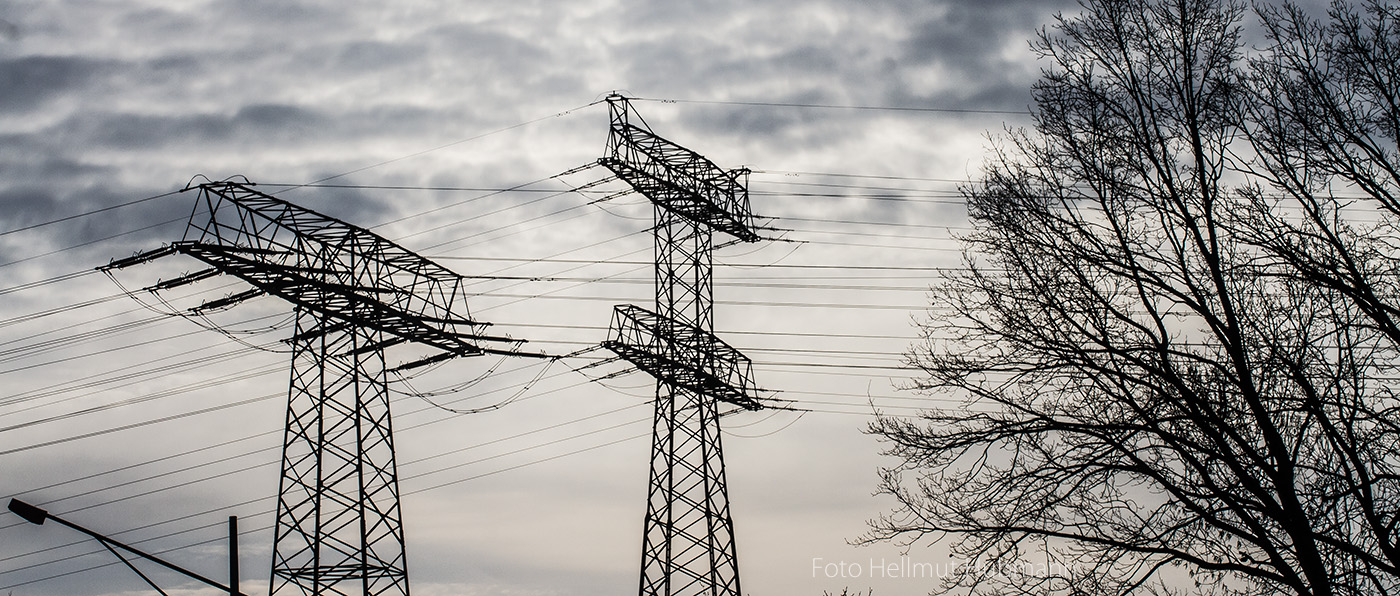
<point>106,102</point>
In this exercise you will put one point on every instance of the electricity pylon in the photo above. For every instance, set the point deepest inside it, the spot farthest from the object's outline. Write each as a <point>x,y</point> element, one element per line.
<point>688,535</point>
<point>339,528</point>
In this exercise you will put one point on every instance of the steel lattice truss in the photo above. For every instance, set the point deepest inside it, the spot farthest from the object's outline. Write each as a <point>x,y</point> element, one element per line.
<point>338,518</point>
<point>332,268</point>
<point>651,341</point>
<point>688,536</point>
<point>681,180</point>
<point>339,528</point>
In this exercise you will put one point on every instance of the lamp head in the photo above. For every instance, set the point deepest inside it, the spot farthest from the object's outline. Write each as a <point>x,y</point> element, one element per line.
<point>30,513</point>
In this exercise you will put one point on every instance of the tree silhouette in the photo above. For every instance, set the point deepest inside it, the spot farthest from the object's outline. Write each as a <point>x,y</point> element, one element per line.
<point>1176,327</point>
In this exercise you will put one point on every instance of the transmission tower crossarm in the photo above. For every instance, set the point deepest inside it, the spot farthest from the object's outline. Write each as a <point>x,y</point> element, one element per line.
<point>362,306</point>
<point>341,271</point>
<point>275,232</point>
<point>677,178</point>
<point>648,340</point>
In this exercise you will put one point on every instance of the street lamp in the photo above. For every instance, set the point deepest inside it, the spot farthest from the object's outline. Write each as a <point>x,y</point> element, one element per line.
<point>37,516</point>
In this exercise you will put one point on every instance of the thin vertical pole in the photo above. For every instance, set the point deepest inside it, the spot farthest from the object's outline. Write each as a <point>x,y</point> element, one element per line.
<point>233,555</point>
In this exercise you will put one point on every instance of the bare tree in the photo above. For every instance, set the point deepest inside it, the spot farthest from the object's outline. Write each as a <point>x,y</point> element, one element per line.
<point>1176,349</point>
<point>1324,115</point>
<point>1325,105</point>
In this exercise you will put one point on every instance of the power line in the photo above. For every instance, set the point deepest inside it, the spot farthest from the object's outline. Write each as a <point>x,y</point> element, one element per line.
<point>289,187</point>
<point>44,282</point>
<point>492,192</point>
<point>62,309</point>
<point>840,107</point>
<point>91,242</point>
<point>414,476</point>
<point>58,343</point>
<point>867,176</point>
<point>741,265</point>
<point>408,413</point>
<point>778,334</point>
<point>718,284</point>
<point>860,234</point>
<point>255,373</point>
<point>129,373</point>
<point>87,213</point>
<point>873,223</point>
<point>458,142</point>
<point>727,332</point>
<point>141,424</point>
<point>100,352</point>
<point>268,527</point>
<point>885,246</point>
<point>265,528</point>
<point>410,427</point>
<point>736,302</point>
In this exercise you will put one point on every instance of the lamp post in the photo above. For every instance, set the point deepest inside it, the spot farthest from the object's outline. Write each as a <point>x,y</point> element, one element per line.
<point>37,516</point>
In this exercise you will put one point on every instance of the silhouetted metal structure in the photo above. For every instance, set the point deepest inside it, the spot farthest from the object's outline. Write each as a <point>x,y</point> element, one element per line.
<point>338,527</point>
<point>688,536</point>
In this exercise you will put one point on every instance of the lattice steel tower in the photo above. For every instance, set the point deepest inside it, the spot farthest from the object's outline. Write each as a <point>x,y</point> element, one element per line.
<point>338,525</point>
<point>688,535</point>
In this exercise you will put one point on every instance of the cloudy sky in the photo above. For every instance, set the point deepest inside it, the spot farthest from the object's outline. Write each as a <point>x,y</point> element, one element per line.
<point>155,429</point>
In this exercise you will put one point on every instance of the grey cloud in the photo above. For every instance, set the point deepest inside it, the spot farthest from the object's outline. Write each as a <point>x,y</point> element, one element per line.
<point>644,14</point>
<point>148,131</point>
<point>37,182</point>
<point>21,163</point>
<point>1008,89</point>
<point>376,55</point>
<point>24,205</point>
<point>283,124</point>
<point>498,53</point>
<point>811,57</point>
<point>174,64</point>
<point>808,73</point>
<point>276,117</point>
<point>359,207</point>
<point>665,60</point>
<point>732,132</point>
<point>968,35</point>
<point>277,13</point>
<point>984,47</point>
<point>31,80</point>
<point>873,53</point>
